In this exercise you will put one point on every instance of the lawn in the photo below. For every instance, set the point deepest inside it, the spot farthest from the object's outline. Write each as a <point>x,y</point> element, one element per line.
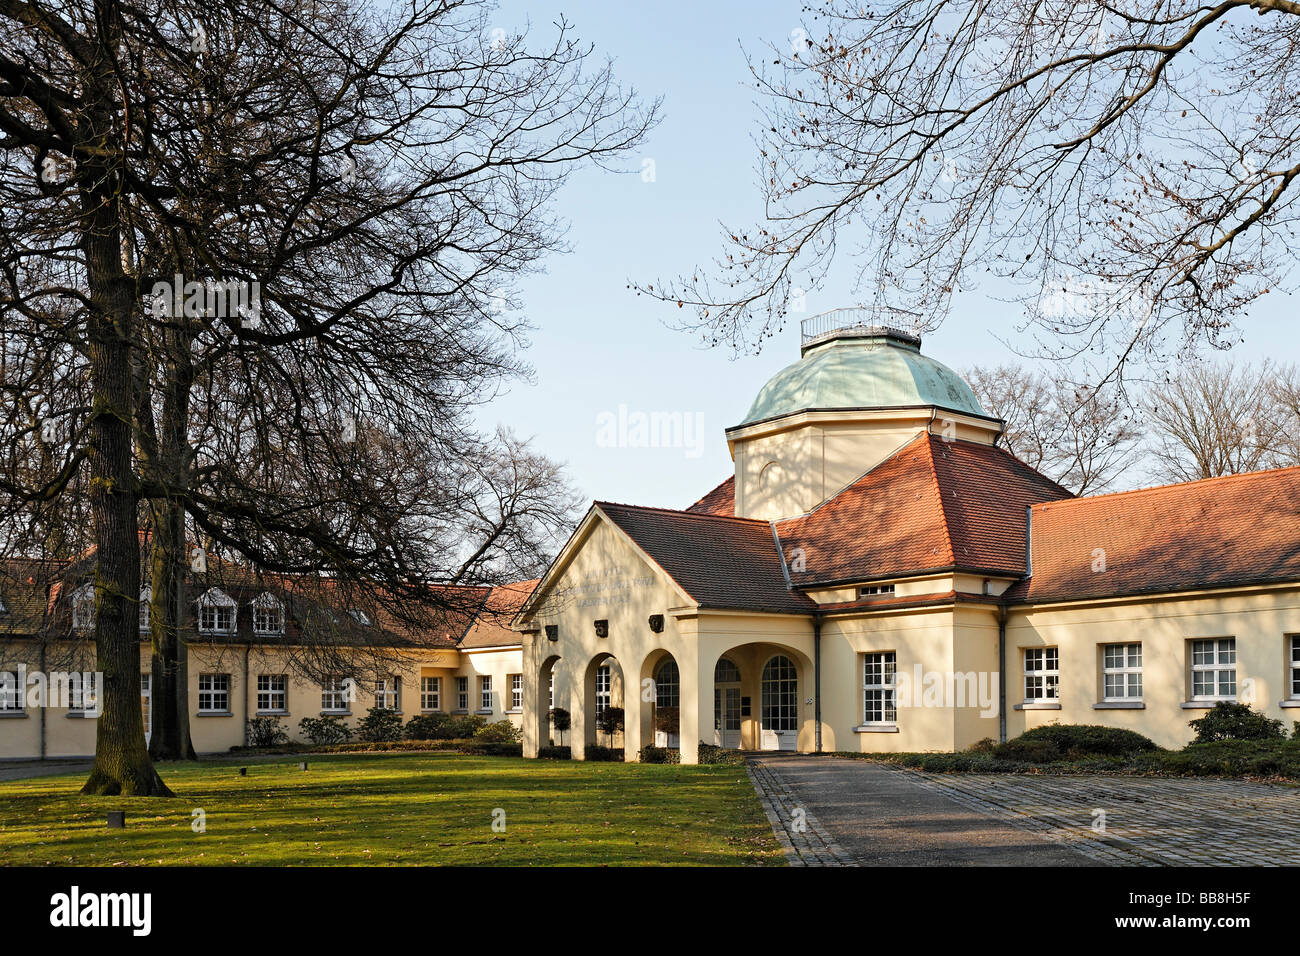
<point>399,809</point>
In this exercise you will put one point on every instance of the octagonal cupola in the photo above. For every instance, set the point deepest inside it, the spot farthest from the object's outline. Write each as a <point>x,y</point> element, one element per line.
<point>860,390</point>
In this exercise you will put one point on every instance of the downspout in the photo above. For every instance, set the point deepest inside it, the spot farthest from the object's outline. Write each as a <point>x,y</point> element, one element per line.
<point>817,677</point>
<point>45,636</point>
<point>246,688</point>
<point>1002,672</point>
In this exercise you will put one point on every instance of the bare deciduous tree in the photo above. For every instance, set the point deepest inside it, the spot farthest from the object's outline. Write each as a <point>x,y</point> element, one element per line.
<point>1212,420</point>
<point>1085,439</point>
<point>1139,156</point>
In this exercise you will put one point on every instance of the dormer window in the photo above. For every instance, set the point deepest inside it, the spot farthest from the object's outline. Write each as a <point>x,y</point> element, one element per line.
<point>83,608</point>
<point>216,612</point>
<point>268,615</point>
<point>361,617</point>
<point>874,590</point>
<point>146,598</point>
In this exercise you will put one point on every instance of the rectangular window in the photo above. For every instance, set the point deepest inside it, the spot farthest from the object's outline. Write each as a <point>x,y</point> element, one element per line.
<point>334,695</point>
<point>875,589</point>
<point>388,693</point>
<point>11,695</point>
<point>272,693</point>
<point>602,690</point>
<point>430,693</point>
<point>214,693</point>
<point>1295,666</point>
<point>516,691</point>
<point>1121,672</point>
<point>462,693</point>
<point>1042,674</point>
<point>144,613</point>
<point>216,619</point>
<point>1214,669</point>
<point>879,704</point>
<point>80,695</point>
<point>268,619</point>
<point>485,692</point>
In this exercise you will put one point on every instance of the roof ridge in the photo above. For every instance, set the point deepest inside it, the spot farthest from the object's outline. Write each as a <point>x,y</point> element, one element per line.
<point>1173,484</point>
<point>674,511</point>
<point>943,505</point>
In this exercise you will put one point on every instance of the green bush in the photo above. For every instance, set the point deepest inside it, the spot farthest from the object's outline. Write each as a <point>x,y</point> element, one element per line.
<point>1229,720</point>
<point>561,720</point>
<point>554,753</point>
<point>266,732</point>
<point>435,726</point>
<point>329,729</point>
<point>661,755</point>
<point>600,754</point>
<point>502,732</point>
<point>1054,742</point>
<point>710,754</point>
<point>1230,758</point>
<point>465,726</point>
<point>380,724</point>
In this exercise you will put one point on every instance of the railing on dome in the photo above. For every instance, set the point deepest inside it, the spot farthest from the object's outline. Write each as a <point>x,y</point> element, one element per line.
<point>842,322</point>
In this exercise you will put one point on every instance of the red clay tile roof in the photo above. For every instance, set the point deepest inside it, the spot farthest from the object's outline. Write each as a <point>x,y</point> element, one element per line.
<point>721,562</point>
<point>933,505</point>
<point>491,628</point>
<point>1230,531</point>
<point>720,501</point>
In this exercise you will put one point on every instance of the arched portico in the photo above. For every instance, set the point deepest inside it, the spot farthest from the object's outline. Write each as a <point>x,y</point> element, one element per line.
<point>602,688</point>
<point>757,696</point>
<point>659,719</point>
<point>544,701</point>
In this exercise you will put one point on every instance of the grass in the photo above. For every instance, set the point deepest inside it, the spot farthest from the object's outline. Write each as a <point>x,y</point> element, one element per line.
<point>399,809</point>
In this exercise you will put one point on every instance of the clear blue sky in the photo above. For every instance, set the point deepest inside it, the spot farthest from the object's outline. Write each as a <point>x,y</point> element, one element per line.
<point>597,346</point>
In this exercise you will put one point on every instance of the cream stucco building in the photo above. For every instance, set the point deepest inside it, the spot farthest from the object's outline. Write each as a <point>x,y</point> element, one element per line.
<point>879,575</point>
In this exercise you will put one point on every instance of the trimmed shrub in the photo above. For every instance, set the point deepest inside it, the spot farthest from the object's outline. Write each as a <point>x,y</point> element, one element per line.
<point>1229,720</point>
<point>661,755</point>
<point>603,754</point>
<point>435,726</point>
<point>1053,742</point>
<point>380,724</point>
<point>561,720</point>
<point>266,732</point>
<point>465,726</point>
<point>610,721</point>
<point>328,729</point>
<point>502,732</point>
<point>554,753</point>
<point>710,754</point>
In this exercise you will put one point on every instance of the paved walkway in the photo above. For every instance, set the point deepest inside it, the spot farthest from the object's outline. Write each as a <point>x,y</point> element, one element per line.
<point>885,815</point>
<point>875,816</point>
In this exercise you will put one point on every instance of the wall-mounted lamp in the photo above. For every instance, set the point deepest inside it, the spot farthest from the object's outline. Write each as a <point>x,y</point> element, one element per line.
<point>657,623</point>
<point>602,628</point>
<point>552,632</point>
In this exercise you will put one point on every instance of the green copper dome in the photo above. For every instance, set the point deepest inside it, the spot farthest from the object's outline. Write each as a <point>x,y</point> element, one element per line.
<point>849,364</point>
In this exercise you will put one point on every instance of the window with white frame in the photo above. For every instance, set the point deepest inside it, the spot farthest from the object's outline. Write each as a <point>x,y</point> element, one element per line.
<point>603,685</point>
<point>462,693</point>
<point>879,682</point>
<point>1042,674</point>
<point>83,607</point>
<point>668,684</point>
<point>1294,640</point>
<point>216,612</point>
<point>11,695</point>
<point>334,694</point>
<point>388,693</point>
<point>485,692</point>
<point>1214,669</point>
<point>146,597</point>
<point>268,615</point>
<point>550,691</point>
<point>272,693</point>
<point>214,693</point>
<point>1121,672</point>
<point>516,691</point>
<point>872,590</point>
<point>430,693</point>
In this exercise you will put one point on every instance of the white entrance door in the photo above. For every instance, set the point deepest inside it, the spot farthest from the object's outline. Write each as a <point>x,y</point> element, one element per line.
<point>146,700</point>
<point>726,717</point>
<point>780,705</point>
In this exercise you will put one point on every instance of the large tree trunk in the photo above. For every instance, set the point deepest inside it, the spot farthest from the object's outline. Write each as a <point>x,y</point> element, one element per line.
<point>170,739</point>
<point>122,764</point>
